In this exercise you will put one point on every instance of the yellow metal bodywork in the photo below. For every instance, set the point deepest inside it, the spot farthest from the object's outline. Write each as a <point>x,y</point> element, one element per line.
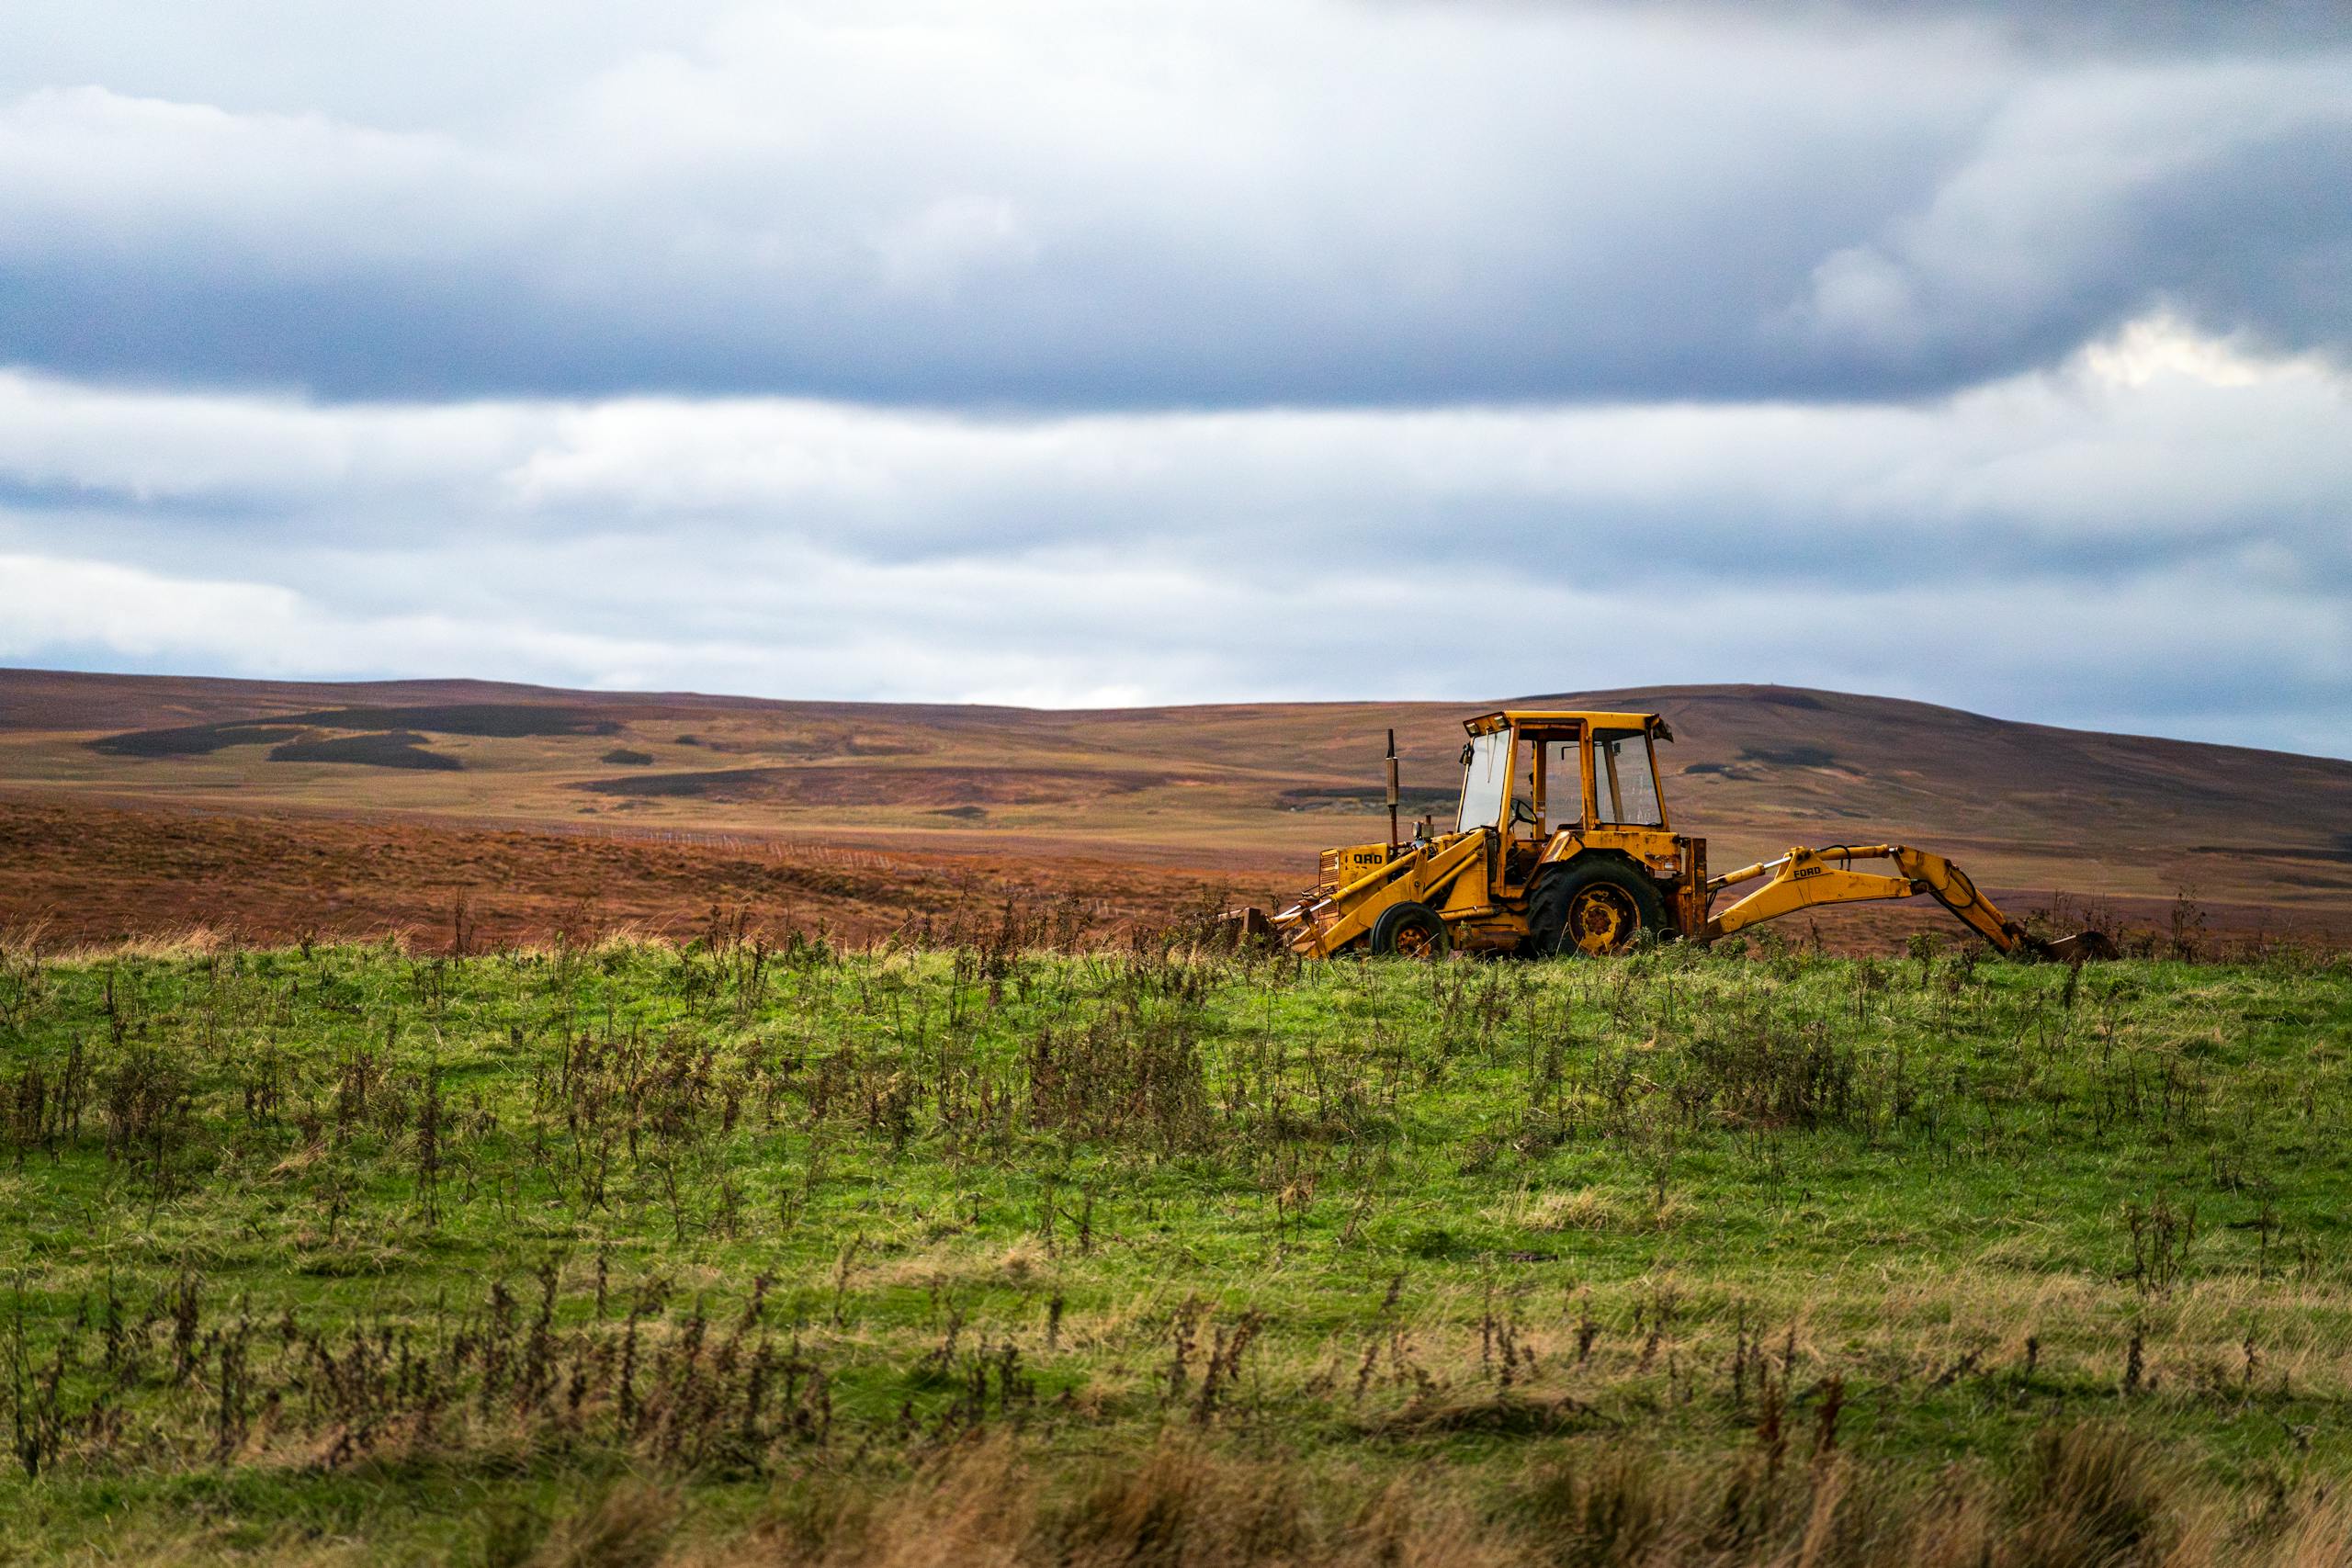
<point>1803,878</point>
<point>1346,914</point>
<point>1341,867</point>
<point>1479,878</point>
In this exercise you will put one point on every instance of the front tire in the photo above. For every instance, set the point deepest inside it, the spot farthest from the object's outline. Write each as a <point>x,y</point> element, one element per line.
<point>1593,910</point>
<point>1410,931</point>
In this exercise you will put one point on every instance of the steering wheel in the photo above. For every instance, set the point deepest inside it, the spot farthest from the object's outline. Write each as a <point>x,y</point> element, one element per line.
<point>1524,811</point>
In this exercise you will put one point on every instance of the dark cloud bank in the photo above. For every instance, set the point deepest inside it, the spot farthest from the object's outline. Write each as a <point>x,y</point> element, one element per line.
<point>1371,206</point>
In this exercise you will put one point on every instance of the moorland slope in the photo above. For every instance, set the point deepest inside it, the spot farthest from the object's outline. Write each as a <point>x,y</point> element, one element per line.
<point>1236,797</point>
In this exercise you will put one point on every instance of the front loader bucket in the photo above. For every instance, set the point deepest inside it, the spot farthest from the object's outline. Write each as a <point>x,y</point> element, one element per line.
<point>1246,927</point>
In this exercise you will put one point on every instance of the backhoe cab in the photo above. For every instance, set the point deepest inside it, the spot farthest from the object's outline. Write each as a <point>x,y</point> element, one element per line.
<point>1561,844</point>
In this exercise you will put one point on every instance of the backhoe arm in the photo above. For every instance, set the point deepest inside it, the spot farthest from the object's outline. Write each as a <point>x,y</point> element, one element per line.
<point>1803,877</point>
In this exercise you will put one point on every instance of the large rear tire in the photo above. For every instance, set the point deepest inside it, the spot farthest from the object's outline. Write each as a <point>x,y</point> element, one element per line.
<point>1410,931</point>
<point>1592,908</point>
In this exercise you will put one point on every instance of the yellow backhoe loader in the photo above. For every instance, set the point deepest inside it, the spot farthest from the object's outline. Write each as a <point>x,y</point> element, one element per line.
<point>1561,845</point>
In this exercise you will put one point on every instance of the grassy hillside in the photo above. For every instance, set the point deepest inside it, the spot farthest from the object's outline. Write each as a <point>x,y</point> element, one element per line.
<point>992,1253</point>
<point>1241,795</point>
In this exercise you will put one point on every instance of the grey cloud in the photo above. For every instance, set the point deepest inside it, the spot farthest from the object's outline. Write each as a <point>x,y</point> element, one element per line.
<point>2103,26</point>
<point>2160,448</point>
<point>1348,206</point>
<point>2150,655</point>
<point>2150,538</point>
<point>414,66</point>
<point>2237,188</point>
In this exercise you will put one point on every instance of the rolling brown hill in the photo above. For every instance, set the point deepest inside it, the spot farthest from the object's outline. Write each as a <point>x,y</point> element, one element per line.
<point>379,801</point>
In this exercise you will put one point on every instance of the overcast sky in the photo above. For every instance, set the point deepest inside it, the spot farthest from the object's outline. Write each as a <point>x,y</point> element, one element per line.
<point>1992,354</point>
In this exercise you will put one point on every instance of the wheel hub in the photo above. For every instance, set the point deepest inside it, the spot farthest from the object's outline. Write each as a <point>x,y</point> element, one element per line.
<point>1600,919</point>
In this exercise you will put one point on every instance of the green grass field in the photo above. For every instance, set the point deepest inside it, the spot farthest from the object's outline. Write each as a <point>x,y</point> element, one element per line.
<point>995,1254</point>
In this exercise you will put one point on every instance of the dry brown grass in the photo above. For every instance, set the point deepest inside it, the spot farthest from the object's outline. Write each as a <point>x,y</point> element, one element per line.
<point>1589,1208</point>
<point>2092,1496</point>
<point>79,878</point>
<point>626,1525</point>
<point>1119,809</point>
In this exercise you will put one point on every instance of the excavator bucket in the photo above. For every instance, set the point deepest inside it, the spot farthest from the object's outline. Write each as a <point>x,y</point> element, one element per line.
<point>2080,947</point>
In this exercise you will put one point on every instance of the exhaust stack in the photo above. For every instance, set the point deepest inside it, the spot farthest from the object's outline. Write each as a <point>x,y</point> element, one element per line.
<point>1392,789</point>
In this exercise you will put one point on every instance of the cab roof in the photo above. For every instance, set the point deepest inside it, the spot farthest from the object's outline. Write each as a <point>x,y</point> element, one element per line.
<point>1535,719</point>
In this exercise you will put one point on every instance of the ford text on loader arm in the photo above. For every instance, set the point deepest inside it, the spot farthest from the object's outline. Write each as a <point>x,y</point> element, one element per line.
<point>1561,845</point>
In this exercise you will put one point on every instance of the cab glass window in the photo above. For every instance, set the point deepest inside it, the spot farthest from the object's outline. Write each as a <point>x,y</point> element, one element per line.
<point>1520,819</point>
<point>1625,789</point>
<point>1485,770</point>
<point>1563,782</point>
